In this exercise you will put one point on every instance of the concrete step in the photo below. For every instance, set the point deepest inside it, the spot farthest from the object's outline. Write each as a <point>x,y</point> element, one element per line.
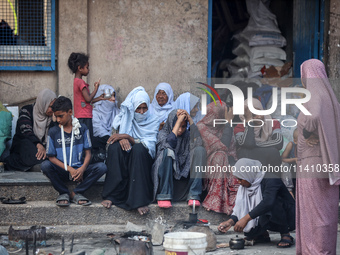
<point>48,213</point>
<point>41,209</point>
<point>36,187</point>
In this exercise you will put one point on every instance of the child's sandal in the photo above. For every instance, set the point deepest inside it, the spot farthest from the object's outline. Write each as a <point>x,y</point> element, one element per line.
<point>79,197</point>
<point>63,197</point>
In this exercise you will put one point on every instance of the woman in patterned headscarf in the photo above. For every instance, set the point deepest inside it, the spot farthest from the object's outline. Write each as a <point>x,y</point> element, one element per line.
<point>319,149</point>
<point>31,133</point>
<point>221,151</point>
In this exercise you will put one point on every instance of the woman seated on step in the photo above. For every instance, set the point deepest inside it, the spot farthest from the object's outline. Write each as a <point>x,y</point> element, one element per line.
<point>130,155</point>
<point>173,172</point>
<point>190,103</point>
<point>219,142</point>
<point>104,111</point>
<point>260,138</point>
<point>162,103</point>
<point>29,141</point>
<point>262,203</point>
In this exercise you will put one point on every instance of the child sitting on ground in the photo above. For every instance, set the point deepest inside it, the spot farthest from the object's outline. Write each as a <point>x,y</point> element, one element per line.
<point>289,156</point>
<point>66,145</point>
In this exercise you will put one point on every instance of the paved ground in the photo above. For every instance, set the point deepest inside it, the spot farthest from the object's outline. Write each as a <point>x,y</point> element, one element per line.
<point>90,244</point>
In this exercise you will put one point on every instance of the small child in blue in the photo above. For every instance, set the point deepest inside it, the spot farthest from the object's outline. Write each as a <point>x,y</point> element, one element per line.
<point>67,139</point>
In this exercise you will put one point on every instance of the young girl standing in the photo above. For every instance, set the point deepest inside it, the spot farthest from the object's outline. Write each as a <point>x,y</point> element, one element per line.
<point>79,65</point>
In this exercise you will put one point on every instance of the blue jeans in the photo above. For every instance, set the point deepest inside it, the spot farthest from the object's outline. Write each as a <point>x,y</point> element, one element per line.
<point>165,175</point>
<point>58,176</point>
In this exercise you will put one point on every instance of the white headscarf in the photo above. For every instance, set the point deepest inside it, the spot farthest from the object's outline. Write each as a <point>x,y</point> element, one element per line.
<point>248,198</point>
<point>140,126</point>
<point>162,112</point>
<point>40,119</point>
<point>104,111</point>
<point>188,101</point>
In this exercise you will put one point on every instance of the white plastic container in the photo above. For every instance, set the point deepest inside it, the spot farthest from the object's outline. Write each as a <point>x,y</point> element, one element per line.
<point>185,243</point>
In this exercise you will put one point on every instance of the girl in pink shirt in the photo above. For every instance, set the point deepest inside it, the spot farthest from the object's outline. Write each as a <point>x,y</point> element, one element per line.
<point>79,65</point>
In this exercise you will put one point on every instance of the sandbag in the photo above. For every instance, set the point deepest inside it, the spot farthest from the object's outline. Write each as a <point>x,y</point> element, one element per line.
<point>261,18</point>
<point>267,52</point>
<point>257,64</point>
<point>267,38</point>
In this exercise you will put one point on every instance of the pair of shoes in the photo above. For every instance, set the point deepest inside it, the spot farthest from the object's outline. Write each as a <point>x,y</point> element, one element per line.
<point>13,201</point>
<point>290,242</point>
<point>79,197</point>
<point>63,197</point>
<point>191,202</point>
<point>164,203</point>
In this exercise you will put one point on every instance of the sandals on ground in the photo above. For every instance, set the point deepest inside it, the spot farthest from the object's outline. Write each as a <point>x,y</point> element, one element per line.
<point>63,197</point>
<point>13,201</point>
<point>191,202</point>
<point>286,241</point>
<point>164,203</point>
<point>79,197</point>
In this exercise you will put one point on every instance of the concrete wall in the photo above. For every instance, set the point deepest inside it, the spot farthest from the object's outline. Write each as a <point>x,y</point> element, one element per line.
<point>333,63</point>
<point>73,37</point>
<point>130,42</point>
<point>26,87</point>
<point>135,43</point>
<point>333,46</point>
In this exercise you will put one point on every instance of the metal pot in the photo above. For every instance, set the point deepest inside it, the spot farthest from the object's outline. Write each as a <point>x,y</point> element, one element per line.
<point>107,93</point>
<point>236,243</point>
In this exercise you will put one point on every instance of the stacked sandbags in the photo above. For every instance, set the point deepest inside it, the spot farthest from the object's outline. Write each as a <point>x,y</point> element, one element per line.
<point>267,56</point>
<point>259,44</point>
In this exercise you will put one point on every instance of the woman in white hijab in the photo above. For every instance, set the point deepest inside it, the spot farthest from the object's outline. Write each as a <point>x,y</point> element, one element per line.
<point>104,112</point>
<point>31,132</point>
<point>162,103</point>
<point>190,103</point>
<point>128,182</point>
<point>262,203</point>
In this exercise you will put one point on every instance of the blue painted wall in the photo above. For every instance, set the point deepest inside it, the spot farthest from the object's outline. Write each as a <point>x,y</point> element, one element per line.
<point>308,26</point>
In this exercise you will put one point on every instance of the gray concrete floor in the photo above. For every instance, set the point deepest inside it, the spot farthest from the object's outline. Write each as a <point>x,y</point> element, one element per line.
<point>90,244</point>
<point>90,238</point>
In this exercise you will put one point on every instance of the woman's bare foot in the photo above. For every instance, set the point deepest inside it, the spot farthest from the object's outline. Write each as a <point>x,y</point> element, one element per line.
<point>107,204</point>
<point>143,210</point>
<point>206,208</point>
